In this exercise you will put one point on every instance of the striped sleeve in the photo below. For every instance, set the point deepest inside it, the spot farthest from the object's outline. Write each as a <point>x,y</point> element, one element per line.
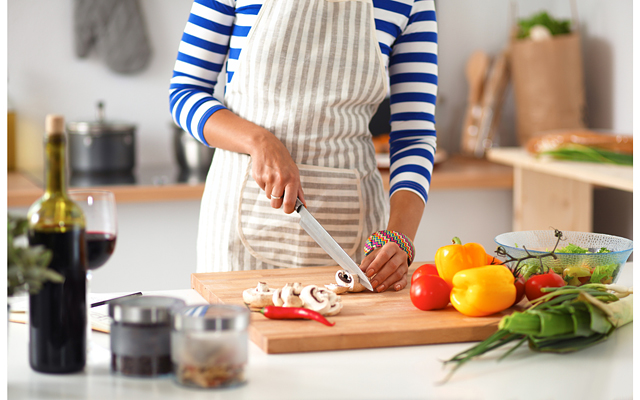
<point>201,54</point>
<point>413,74</point>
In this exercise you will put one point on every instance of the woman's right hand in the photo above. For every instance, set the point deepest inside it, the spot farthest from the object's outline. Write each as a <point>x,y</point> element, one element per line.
<point>272,166</point>
<point>276,173</point>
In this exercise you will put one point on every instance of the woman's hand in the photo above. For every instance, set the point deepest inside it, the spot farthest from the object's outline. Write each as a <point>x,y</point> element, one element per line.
<point>276,173</point>
<point>389,264</point>
<point>272,166</point>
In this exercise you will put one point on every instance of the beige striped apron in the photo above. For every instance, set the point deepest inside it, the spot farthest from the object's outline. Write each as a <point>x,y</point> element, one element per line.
<point>311,72</point>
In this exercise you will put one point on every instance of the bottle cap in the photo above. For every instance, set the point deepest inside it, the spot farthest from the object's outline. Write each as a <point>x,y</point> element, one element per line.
<point>54,125</point>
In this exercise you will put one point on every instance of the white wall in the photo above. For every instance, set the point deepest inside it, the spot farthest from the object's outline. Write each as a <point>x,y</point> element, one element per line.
<point>155,248</point>
<point>606,27</point>
<point>45,76</point>
<point>472,215</point>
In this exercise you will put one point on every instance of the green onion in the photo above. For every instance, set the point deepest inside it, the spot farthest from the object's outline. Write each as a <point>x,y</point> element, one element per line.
<point>566,319</point>
<point>578,152</point>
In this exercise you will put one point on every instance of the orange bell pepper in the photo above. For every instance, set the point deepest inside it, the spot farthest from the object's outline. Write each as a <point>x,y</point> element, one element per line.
<point>457,256</point>
<point>482,291</point>
<point>492,260</point>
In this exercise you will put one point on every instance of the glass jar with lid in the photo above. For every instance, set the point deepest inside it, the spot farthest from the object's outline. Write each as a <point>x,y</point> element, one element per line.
<point>209,345</point>
<point>141,335</point>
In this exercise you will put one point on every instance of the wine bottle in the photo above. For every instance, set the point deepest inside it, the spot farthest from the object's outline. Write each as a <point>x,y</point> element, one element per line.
<point>58,313</point>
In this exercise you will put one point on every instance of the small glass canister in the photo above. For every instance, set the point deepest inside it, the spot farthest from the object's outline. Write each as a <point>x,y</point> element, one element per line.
<point>209,345</point>
<point>141,335</point>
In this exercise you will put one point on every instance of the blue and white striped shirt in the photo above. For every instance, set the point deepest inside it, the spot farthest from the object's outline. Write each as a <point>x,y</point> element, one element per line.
<point>407,34</point>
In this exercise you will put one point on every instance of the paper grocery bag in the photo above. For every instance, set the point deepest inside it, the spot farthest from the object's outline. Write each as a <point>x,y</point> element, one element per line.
<point>548,84</point>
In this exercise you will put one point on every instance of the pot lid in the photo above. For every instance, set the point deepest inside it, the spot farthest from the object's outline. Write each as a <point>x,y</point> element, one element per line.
<point>100,125</point>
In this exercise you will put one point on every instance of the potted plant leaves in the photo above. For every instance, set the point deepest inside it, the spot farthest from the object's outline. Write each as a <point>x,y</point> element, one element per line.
<point>27,266</point>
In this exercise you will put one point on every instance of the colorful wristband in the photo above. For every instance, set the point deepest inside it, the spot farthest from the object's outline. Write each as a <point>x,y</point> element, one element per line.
<point>380,238</point>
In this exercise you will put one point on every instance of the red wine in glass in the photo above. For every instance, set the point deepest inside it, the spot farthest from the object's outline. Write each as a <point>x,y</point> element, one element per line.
<point>100,246</point>
<point>99,209</point>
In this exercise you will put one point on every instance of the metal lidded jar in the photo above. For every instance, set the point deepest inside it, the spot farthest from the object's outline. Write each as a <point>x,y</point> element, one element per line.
<point>101,146</point>
<point>209,345</point>
<point>141,335</point>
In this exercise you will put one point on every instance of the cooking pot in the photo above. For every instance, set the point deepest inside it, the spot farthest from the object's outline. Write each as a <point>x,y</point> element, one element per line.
<point>191,155</point>
<point>101,146</point>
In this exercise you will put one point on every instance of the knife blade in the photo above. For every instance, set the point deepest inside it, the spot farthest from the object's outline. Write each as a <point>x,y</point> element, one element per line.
<point>328,244</point>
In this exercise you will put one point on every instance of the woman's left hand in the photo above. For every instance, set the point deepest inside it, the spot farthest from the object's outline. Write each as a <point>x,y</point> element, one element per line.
<point>389,264</point>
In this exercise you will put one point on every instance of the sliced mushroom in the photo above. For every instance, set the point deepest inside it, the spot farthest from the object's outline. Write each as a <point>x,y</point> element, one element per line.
<point>334,300</point>
<point>288,296</point>
<point>335,308</point>
<point>258,297</point>
<point>337,289</point>
<point>321,300</point>
<point>297,287</point>
<point>277,298</point>
<point>313,299</point>
<point>352,282</point>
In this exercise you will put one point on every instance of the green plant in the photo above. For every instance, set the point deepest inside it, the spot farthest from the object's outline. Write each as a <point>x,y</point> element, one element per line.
<point>27,266</point>
<point>555,26</point>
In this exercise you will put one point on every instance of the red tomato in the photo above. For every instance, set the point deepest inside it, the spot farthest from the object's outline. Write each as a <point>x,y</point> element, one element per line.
<point>425,269</point>
<point>520,285</point>
<point>537,282</point>
<point>430,292</point>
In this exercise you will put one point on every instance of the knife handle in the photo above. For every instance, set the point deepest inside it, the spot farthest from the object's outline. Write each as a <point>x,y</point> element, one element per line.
<point>298,205</point>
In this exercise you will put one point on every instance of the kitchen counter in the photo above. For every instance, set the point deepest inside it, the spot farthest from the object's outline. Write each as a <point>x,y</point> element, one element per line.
<point>146,184</point>
<point>549,192</point>
<point>603,371</point>
<point>165,183</point>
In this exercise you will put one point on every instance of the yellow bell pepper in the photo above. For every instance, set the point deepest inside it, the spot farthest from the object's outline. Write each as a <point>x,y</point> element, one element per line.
<point>457,256</point>
<point>482,291</point>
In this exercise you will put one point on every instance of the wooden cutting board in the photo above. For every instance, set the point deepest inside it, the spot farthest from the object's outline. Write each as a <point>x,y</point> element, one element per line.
<point>367,319</point>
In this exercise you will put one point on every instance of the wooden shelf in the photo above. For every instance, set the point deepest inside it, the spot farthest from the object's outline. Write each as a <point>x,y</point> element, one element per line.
<point>555,193</point>
<point>607,175</point>
<point>462,172</point>
<point>457,172</point>
<point>22,192</point>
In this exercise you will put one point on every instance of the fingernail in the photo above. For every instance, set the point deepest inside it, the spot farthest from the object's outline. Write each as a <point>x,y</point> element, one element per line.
<point>374,283</point>
<point>397,287</point>
<point>370,272</point>
<point>380,288</point>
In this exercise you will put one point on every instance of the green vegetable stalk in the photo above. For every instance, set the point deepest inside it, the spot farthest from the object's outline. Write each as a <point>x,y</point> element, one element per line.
<point>578,152</point>
<point>566,319</point>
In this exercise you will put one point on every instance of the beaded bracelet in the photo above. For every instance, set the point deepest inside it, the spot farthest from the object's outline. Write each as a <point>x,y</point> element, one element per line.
<point>380,238</point>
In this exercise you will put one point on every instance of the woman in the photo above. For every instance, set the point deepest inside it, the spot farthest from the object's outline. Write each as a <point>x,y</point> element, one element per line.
<point>303,81</point>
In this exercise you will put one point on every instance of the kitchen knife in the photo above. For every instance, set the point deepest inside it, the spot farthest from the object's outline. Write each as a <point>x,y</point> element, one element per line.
<point>328,244</point>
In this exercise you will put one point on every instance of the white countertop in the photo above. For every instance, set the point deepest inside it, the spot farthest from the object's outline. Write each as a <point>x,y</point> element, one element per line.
<point>603,371</point>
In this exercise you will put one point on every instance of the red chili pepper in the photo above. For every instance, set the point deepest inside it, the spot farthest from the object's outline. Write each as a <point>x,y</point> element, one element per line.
<point>274,312</point>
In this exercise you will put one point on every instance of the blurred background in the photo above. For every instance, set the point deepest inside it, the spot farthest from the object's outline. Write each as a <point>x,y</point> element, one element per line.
<point>45,76</point>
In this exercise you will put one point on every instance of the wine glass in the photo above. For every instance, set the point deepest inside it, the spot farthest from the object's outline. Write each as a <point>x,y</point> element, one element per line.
<point>99,208</point>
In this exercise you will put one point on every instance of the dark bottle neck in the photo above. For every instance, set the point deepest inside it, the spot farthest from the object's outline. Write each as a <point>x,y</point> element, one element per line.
<point>55,169</point>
